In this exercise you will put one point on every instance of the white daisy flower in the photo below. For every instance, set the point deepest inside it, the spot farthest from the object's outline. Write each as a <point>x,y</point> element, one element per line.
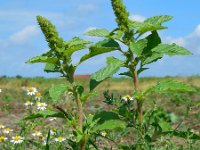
<point>38,96</point>
<point>31,91</point>
<point>127,98</point>
<point>52,119</point>
<point>0,90</point>
<point>60,139</point>
<point>17,139</point>
<point>53,131</point>
<point>7,130</point>
<point>2,126</point>
<point>41,106</point>
<point>28,103</point>
<point>37,133</point>
<point>3,138</point>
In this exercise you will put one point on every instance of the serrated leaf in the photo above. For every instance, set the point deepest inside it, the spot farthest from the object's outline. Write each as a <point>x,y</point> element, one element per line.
<point>153,24</point>
<point>56,91</point>
<point>107,45</point>
<point>170,86</point>
<point>113,66</point>
<point>98,32</point>
<point>137,48</point>
<point>158,19</point>
<point>74,45</point>
<point>110,125</point>
<point>149,27</point>
<point>43,59</point>
<point>170,50</point>
<point>152,58</point>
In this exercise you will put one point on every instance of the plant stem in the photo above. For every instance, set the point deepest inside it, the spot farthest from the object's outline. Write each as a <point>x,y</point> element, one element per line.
<point>80,117</point>
<point>139,103</point>
<point>135,79</point>
<point>80,113</point>
<point>83,144</point>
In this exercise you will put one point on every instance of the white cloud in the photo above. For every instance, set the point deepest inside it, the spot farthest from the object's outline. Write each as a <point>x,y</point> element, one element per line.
<point>190,41</point>
<point>137,18</point>
<point>179,41</point>
<point>24,35</point>
<point>196,32</point>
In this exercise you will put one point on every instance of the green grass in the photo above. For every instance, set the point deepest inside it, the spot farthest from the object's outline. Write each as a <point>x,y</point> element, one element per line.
<point>184,106</point>
<point>14,96</point>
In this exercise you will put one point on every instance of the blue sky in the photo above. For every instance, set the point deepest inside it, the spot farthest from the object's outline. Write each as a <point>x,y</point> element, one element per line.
<point>21,38</point>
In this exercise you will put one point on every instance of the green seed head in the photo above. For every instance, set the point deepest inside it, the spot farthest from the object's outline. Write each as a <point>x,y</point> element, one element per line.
<point>121,14</point>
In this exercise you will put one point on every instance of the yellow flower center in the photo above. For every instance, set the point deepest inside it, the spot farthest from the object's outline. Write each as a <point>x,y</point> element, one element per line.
<point>37,94</point>
<point>30,89</point>
<point>36,132</point>
<point>128,97</point>
<point>60,138</point>
<point>28,102</point>
<point>2,138</point>
<point>16,138</point>
<point>7,129</point>
<point>42,105</point>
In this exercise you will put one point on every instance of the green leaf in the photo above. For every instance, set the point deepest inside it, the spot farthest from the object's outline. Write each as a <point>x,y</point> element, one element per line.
<point>113,66</point>
<point>149,27</point>
<point>158,19</point>
<point>110,125</point>
<point>183,134</point>
<point>165,49</point>
<point>116,34</point>
<point>56,91</point>
<point>80,89</point>
<point>153,40</point>
<point>137,48</point>
<point>165,126</point>
<point>43,59</point>
<point>50,68</point>
<point>107,45</point>
<point>47,140</point>
<point>170,86</point>
<point>85,96</point>
<point>128,74</point>
<point>141,70</point>
<point>74,45</point>
<point>105,116</point>
<point>45,114</point>
<point>153,24</point>
<point>170,50</point>
<point>154,57</point>
<point>98,33</point>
